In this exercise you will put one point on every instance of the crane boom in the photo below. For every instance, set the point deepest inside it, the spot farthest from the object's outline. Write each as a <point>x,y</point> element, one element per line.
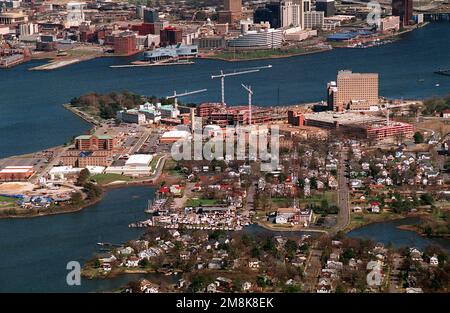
<point>233,74</point>
<point>176,95</point>
<point>250,93</point>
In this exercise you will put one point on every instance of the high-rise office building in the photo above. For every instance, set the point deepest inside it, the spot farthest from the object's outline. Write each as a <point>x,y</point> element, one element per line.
<point>233,5</point>
<point>326,6</point>
<point>151,16</point>
<point>290,14</point>
<point>270,13</point>
<point>313,19</point>
<point>404,9</point>
<point>354,91</point>
<point>75,13</point>
<point>274,8</point>
<point>232,11</point>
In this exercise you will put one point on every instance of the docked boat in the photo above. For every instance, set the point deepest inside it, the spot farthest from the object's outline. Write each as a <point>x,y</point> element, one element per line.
<point>156,206</point>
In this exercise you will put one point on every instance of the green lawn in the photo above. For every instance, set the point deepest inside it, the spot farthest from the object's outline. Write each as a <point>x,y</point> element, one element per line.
<point>330,196</point>
<point>154,162</point>
<point>258,54</point>
<point>199,202</point>
<point>103,179</point>
<point>7,199</point>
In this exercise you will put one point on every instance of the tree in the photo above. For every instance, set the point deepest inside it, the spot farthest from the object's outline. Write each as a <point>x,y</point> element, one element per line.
<point>426,199</point>
<point>418,137</point>
<point>340,288</point>
<point>76,198</point>
<point>291,247</point>
<point>93,191</point>
<point>199,282</point>
<point>313,182</point>
<point>269,245</point>
<point>83,177</point>
<point>144,263</point>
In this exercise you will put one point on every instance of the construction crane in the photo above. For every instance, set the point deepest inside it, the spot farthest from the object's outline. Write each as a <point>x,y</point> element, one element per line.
<point>176,95</point>
<point>387,108</point>
<point>250,93</point>
<point>222,76</point>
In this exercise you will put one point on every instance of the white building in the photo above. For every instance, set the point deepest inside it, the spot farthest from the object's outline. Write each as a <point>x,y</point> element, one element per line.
<point>314,19</point>
<point>131,116</point>
<point>75,13</point>
<point>139,160</point>
<point>264,39</point>
<point>28,29</point>
<point>290,14</point>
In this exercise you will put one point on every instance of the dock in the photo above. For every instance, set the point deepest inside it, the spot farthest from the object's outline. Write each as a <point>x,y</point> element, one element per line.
<point>54,65</point>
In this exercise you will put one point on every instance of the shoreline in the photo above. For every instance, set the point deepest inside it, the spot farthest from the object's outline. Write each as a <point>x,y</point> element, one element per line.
<point>54,63</point>
<point>68,211</point>
<point>289,55</point>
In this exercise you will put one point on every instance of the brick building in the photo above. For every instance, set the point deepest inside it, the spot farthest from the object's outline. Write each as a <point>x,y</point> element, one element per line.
<point>94,142</point>
<point>16,173</point>
<point>125,43</point>
<point>231,12</point>
<point>170,36</point>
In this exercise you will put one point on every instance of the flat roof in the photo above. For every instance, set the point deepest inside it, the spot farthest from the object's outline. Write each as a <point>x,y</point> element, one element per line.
<point>141,159</point>
<point>175,134</point>
<point>342,118</point>
<point>98,136</point>
<point>15,170</point>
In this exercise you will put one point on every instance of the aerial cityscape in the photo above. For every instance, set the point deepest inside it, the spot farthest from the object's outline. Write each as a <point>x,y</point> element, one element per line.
<point>225,146</point>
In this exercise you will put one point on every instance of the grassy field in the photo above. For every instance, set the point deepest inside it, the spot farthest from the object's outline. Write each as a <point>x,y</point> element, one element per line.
<point>361,219</point>
<point>244,55</point>
<point>104,179</point>
<point>7,199</point>
<point>199,202</point>
<point>154,162</point>
<point>330,196</point>
<point>7,202</point>
<point>169,167</point>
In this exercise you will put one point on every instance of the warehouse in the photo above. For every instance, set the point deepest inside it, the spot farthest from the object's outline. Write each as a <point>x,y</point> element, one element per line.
<point>174,135</point>
<point>16,173</point>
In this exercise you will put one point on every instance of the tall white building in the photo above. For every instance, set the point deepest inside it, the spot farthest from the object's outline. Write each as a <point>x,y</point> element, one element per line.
<point>292,12</point>
<point>75,13</point>
<point>289,14</point>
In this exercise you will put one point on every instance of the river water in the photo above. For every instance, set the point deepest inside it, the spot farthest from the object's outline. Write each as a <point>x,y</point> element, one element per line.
<point>32,117</point>
<point>35,251</point>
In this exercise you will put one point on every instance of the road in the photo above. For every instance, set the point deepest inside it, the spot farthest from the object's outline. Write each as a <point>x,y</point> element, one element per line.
<point>312,270</point>
<point>145,134</point>
<point>58,152</point>
<point>343,198</point>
